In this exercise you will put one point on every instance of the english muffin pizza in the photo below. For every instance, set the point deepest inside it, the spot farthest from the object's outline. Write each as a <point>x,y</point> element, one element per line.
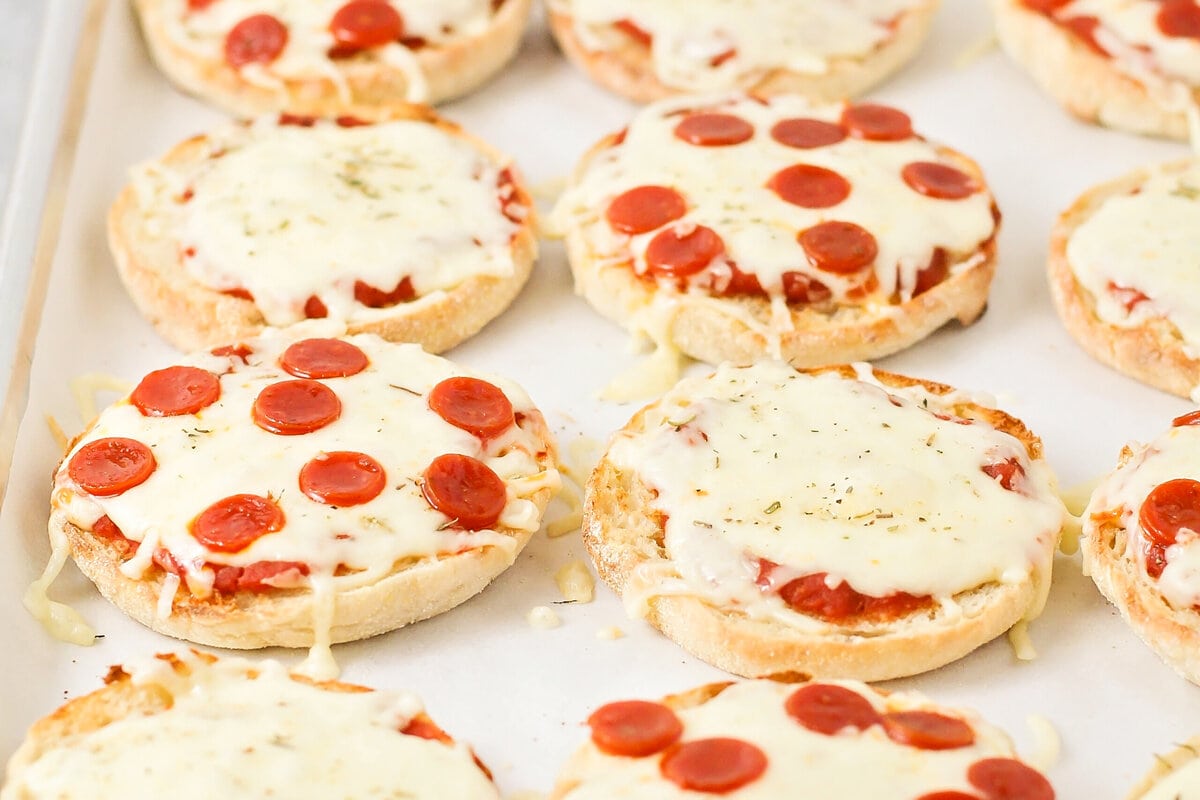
<point>737,227</point>
<point>648,49</point>
<point>1128,64</point>
<point>324,57</point>
<point>193,727</point>
<point>303,491</point>
<point>843,523</point>
<point>408,228</point>
<point>767,740</point>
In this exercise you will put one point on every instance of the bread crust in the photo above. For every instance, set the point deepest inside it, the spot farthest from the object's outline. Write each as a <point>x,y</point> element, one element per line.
<point>1087,84</point>
<point>1164,765</point>
<point>192,316</point>
<point>628,70</point>
<point>714,329</point>
<point>450,70</point>
<point>620,532</point>
<point>1153,352</point>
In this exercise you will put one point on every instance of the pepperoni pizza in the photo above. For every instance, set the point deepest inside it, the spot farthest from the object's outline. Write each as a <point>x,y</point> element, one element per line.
<point>648,49</point>
<point>737,227</point>
<point>303,492</point>
<point>408,228</point>
<point>325,57</point>
<point>892,525</point>
<point>1127,64</point>
<point>192,727</point>
<point>768,740</point>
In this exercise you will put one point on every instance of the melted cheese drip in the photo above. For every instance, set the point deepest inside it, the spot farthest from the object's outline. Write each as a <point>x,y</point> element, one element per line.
<point>202,33</point>
<point>289,213</point>
<point>692,41</point>
<point>1172,455</point>
<point>237,729</point>
<point>800,763</point>
<point>1181,784</point>
<point>60,620</point>
<point>890,499</point>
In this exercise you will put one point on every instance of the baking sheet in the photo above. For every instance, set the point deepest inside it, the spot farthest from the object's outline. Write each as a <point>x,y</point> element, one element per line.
<point>520,694</point>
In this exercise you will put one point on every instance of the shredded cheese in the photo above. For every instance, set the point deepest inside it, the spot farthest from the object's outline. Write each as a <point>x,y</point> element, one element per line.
<point>543,618</point>
<point>575,582</point>
<point>84,389</point>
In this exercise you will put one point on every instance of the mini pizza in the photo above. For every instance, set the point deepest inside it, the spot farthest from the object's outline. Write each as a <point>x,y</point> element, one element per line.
<point>298,492</point>
<point>324,57</point>
<point>1174,776</point>
<point>763,740</point>
<point>193,727</point>
<point>1122,274</point>
<point>649,49</point>
<point>1141,543</point>
<point>408,228</point>
<point>891,525</point>
<point>1127,64</point>
<point>740,227</point>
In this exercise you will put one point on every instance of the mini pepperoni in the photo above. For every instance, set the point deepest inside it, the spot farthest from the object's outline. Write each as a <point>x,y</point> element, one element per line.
<point>644,209</point>
<point>342,478</point>
<point>233,524</point>
<point>673,253</point>
<point>941,181</point>
<point>290,408</point>
<point>713,130</point>
<point>928,730</point>
<point>111,466</point>
<point>877,122</point>
<point>718,765</point>
<point>1190,418</point>
<point>806,134</point>
<point>363,24</point>
<point>1009,472</point>
<point>809,186</point>
<point>634,728</point>
<point>1009,779</point>
<point>839,247</point>
<point>476,406</point>
<point>255,40</point>
<point>314,308</point>
<point>323,358</point>
<point>371,297</point>
<point>1180,18</point>
<point>466,490</point>
<point>1169,508</point>
<point>828,708</point>
<point>175,391</point>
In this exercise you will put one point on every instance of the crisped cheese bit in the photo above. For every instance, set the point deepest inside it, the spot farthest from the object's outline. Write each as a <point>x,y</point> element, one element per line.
<point>610,633</point>
<point>543,618</point>
<point>575,582</point>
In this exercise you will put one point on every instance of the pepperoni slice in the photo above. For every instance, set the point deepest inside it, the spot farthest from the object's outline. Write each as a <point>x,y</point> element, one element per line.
<point>645,208</point>
<point>634,728</point>
<point>842,248</point>
<point>948,795</point>
<point>342,478</point>
<point>718,765</point>
<point>1009,779</point>
<point>928,730</point>
<point>877,122</point>
<point>809,186</point>
<point>314,308</point>
<point>1169,508</point>
<point>199,5</point>
<point>680,252</point>
<point>806,134</point>
<point>258,577</point>
<point>175,391</point>
<point>1190,418</point>
<point>1009,472</point>
<point>800,289</point>
<point>255,40</point>
<point>348,121</point>
<point>1180,18</point>
<point>634,31</point>
<point>811,594</point>
<point>936,272</point>
<point>940,181</point>
<point>299,120</point>
<point>476,406</point>
<point>425,728</point>
<point>828,708</point>
<point>290,408</point>
<point>238,351</point>
<point>1155,557</point>
<point>466,490</point>
<point>111,466</point>
<point>363,24</point>
<point>742,283</point>
<point>1047,7</point>
<point>371,297</point>
<point>323,358</point>
<point>713,130</point>
<point>1084,28</point>
<point>233,524</point>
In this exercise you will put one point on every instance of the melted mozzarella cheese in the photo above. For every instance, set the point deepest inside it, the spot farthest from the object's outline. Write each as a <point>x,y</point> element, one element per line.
<point>242,729</point>
<point>1146,241</point>
<point>707,45</point>
<point>800,762</point>
<point>1181,784</point>
<point>1120,495</point>
<point>888,498</point>
<point>288,213</point>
